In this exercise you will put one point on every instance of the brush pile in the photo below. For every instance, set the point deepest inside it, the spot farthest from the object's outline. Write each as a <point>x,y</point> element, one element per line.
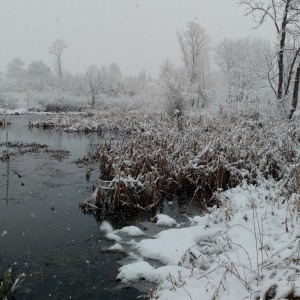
<point>196,156</point>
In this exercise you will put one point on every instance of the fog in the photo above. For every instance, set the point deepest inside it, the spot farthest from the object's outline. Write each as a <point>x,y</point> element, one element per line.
<point>134,34</point>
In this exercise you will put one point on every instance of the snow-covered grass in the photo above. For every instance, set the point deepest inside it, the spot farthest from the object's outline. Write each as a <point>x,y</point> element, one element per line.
<point>195,155</point>
<point>41,101</point>
<point>248,248</point>
<point>9,283</point>
<point>54,101</point>
<point>119,119</point>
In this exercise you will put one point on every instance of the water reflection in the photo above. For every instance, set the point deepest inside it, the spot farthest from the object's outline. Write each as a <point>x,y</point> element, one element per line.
<point>48,237</point>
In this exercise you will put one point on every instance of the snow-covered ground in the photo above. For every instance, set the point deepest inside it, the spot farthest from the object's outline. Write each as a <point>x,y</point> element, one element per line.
<point>246,249</point>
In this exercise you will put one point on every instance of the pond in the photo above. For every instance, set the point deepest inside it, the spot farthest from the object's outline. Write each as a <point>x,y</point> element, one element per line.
<point>43,233</point>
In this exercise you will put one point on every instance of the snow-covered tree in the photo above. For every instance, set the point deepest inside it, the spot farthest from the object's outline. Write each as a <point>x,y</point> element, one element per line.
<point>142,77</point>
<point>132,85</point>
<point>15,70</point>
<point>285,16</point>
<point>38,74</point>
<point>39,69</point>
<point>93,83</point>
<point>115,72</point>
<point>242,62</point>
<point>113,81</point>
<point>57,50</point>
<point>194,45</point>
<point>174,84</point>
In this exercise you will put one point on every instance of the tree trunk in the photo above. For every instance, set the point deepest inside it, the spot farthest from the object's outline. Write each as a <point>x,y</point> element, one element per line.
<point>295,92</point>
<point>291,72</point>
<point>59,67</point>
<point>281,51</point>
<point>93,101</point>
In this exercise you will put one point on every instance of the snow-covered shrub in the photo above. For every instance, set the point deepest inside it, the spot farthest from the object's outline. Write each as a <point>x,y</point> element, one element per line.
<point>12,100</point>
<point>173,82</point>
<point>55,101</point>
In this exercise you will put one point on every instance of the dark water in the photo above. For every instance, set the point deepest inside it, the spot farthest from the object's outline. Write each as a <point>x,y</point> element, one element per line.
<point>42,231</point>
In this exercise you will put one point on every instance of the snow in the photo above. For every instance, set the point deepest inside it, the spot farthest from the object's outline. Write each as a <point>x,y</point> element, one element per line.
<point>135,271</point>
<point>106,227</point>
<point>113,237</point>
<point>4,233</point>
<point>237,251</point>
<point>116,247</point>
<point>164,220</point>
<point>130,231</point>
<point>17,111</point>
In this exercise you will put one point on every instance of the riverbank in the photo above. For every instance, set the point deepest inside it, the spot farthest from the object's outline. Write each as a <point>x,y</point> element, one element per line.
<point>248,248</point>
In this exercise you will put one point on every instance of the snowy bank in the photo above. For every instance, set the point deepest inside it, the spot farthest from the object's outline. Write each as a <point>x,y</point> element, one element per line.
<point>246,249</point>
<point>194,156</point>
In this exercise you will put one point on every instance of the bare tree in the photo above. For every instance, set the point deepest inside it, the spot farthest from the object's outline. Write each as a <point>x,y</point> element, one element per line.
<point>295,92</point>
<point>57,49</point>
<point>173,82</point>
<point>285,17</point>
<point>194,45</point>
<point>94,79</point>
<point>241,62</point>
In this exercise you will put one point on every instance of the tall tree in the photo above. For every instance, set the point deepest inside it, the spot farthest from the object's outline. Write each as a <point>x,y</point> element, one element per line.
<point>194,45</point>
<point>15,69</point>
<point>115,72</point>
<point>93,82</point>
<point>57,50</point>
<point>284,14</point>
<point>174,84</point>
<point>38,74</point>
<point>38,69</point>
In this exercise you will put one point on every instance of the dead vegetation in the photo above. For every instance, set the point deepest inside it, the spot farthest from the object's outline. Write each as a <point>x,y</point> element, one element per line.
<point>194,156</point>
<point>122,120</point>
<point>20,148</point>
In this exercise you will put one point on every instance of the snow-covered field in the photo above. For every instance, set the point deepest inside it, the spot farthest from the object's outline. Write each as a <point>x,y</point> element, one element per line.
<point>246,249</point>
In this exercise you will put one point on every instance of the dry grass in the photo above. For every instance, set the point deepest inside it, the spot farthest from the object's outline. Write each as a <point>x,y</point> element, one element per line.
<point>195,156</point>
<point>122,120</point>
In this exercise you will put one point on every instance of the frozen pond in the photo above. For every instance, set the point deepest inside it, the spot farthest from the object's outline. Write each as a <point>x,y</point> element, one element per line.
<point>42,231</point>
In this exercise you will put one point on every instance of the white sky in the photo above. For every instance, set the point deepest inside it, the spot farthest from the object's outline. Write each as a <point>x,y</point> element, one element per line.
<point>135,34</point>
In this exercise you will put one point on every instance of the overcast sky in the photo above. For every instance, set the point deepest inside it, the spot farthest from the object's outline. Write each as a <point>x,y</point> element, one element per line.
<point>135,34</point>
